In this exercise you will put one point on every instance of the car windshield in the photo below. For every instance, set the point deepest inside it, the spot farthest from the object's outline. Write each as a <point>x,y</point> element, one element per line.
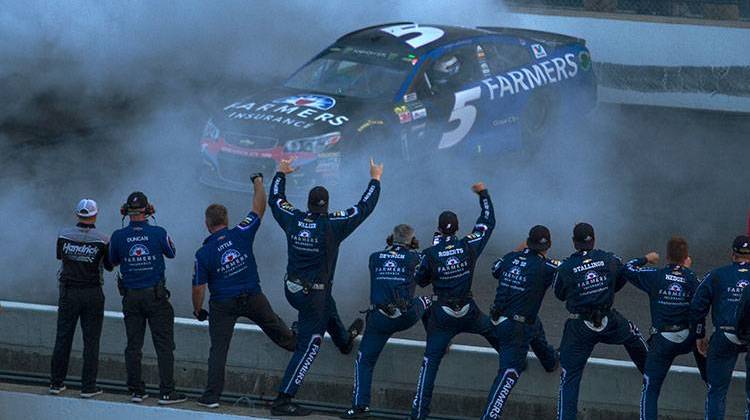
<point>355,75</point>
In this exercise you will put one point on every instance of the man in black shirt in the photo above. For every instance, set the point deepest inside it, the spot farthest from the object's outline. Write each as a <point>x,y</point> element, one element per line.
<point>82,250</point>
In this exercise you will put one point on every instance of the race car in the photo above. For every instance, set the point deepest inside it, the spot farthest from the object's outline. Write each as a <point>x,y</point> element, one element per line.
<point>404,91</point>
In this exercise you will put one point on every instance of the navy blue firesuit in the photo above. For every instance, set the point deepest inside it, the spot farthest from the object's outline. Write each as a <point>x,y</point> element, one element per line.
<point>670,290</point>
<point>524,278</point>
<point>449,265</point>
<point>587,282</point>
<point>139,249</point>
<point>720,292</point>
<point>313,241</point>
<point>394,308</point>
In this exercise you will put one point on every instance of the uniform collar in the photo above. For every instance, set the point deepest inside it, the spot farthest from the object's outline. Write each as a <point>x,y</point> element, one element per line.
<point>139,223</point>
<point>529,251</point>
<point>86,225</point>
<point>445,238</point>
<point>215,235</point>
<point>673,266</point>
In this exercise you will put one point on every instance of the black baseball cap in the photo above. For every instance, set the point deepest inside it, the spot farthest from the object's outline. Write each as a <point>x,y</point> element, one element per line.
<point>741,245</point>
<point>583,236</point>
<point>539,238</point>
<point>137,200</point>
<point>317,200</point>
<point>448,223</point>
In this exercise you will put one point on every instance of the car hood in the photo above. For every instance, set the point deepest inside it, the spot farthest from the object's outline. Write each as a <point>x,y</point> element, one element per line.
<point>275,115</point>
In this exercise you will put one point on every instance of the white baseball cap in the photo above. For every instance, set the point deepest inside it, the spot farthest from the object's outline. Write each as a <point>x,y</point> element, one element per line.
<point>86,208</point>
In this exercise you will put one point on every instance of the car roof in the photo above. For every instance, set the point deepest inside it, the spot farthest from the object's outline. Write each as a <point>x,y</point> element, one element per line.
<point>375,36</point>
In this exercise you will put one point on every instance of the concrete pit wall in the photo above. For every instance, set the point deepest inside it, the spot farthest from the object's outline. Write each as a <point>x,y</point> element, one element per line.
<point>610,389</point>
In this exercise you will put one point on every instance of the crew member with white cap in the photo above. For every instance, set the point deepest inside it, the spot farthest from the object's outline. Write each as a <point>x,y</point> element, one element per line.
<point>82,249</point>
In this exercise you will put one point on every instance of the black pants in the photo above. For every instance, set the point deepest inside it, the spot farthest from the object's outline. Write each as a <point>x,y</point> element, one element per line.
<point>88,305</point>
<point>139,307</point>
<point>222,317</point>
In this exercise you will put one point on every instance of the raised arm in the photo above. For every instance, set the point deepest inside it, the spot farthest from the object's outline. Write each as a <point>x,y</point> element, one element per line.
<point>282,210</point>
<point>259,195</point>
<point>640,276</point>
<point>485,224</point>
<point>345,222</point>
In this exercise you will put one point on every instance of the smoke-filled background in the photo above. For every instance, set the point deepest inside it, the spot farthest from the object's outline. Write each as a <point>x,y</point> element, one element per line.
<point>100,99</point>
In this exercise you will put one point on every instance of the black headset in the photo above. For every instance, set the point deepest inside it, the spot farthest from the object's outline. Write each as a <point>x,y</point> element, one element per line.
<point>414,244</point>
<point>125,210</point>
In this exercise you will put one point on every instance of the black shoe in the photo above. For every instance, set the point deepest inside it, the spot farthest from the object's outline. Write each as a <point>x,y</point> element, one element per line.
<point>56,389</point>
<point>283,406</point>
<point>91,393</point>
<point>357,413</point>
<point>354,330</point>
<point>138,397</point>
<point>557,363</point>
<point>172,398</point>
<point>207,402</point>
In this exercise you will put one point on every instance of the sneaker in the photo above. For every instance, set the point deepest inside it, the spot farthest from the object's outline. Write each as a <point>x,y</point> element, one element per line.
<point>56,389</point>
<point>138,397</point>
<point>357,413</point>
<point>284,407</point>
<point>172,398</point>
<point>354,330</point>
<point>208,403</point>
<point>91,393</point>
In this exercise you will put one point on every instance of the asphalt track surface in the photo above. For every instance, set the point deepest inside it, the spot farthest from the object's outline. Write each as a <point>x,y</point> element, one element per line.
<point>639,174</point>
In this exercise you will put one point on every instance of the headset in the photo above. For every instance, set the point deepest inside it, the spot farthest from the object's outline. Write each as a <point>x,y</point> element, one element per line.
<point>414,244</point>
<point>126,210</point>
<point>149,211</point>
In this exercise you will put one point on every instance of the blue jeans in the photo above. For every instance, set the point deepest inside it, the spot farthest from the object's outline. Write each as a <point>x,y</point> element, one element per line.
<point>441,328</point>
<point>661,354</point>
<point>578,342</point>
<point>317,315</point>
<point>722,356</point>
<point>515,339</point>
<point>379,329</point>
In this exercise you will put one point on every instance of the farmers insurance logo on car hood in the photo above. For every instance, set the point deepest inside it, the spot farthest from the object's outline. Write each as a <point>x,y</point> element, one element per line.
<point>301,111</point>
<point>320,102</point>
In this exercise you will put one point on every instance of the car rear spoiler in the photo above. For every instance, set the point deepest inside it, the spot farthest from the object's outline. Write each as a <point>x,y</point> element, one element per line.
<point>552,39</point>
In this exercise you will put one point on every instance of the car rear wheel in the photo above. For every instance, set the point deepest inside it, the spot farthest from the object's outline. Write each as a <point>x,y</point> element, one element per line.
<point>537,120</point>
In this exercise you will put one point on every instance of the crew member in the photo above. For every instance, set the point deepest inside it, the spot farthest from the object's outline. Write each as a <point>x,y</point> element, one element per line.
<point>449,265</point>
<point>524,277</point>
<point>393,308</point>
<point>587,282</point>
<point>313,239</point>
<point>720,292</point>
<point>670,290</point>
<point>226,263</point>
<point>139,249</point>
<point>83,252</point>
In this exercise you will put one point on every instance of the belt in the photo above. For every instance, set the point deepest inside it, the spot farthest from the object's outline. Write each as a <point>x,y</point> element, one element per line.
<point>455,303</point>
<point>727,329</point>
<point>589,316</point>
<point>307,285</point>
<point>521,319</point>
<point>668,328</point>
<point>80,286</point>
